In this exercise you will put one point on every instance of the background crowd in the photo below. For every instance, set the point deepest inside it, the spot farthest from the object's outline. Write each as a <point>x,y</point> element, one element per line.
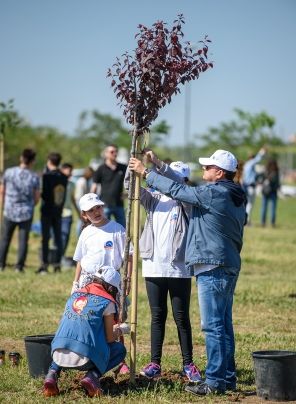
<point>22,189</point>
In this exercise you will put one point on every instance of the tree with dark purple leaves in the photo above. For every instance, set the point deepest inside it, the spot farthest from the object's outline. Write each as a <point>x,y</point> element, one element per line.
<point>146,81</point>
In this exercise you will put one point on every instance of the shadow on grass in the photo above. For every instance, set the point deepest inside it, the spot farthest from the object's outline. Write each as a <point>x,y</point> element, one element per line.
<point>169,382</point>
<point>120,385</point>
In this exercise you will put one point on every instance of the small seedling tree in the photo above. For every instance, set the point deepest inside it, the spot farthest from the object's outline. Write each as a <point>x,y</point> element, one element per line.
<point>145,82</point>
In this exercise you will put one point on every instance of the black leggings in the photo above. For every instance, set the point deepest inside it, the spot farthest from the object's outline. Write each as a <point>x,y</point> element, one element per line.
<point>180,291</point>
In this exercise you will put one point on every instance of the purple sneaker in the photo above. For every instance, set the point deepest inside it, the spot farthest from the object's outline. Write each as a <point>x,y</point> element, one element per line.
<point>91,384</point>
<point>50,385</point>
<point>192,373</point>
<point>151,371</point>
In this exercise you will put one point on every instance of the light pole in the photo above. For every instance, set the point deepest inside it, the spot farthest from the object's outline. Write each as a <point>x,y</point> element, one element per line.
<point>187,112</point>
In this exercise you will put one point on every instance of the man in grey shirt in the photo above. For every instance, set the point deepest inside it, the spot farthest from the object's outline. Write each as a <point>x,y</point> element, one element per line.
<point>20,192</point>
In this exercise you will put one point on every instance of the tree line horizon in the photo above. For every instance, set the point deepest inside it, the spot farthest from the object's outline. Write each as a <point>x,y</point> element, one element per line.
<point>243,135</point>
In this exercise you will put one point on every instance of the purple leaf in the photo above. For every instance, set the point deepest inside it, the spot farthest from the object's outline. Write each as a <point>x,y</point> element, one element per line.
<point>160,64</point>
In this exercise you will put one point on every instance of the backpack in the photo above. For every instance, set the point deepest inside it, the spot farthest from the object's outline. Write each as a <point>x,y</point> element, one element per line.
<point>266,187</point>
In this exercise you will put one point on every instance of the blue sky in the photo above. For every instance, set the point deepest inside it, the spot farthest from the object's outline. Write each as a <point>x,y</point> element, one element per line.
<point>55,54</point>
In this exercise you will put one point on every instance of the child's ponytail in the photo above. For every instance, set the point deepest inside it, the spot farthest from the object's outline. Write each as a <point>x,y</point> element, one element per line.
<point>112,290</point>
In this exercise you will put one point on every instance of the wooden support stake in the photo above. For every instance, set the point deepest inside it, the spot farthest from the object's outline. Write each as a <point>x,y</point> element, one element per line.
<point>134,290</point>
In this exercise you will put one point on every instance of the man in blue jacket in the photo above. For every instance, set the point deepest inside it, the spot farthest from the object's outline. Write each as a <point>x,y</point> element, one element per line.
<point>214,243</point>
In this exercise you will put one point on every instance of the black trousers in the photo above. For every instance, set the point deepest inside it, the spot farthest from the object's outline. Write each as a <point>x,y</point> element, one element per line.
<point>179,290</point>
<point>23,237</point>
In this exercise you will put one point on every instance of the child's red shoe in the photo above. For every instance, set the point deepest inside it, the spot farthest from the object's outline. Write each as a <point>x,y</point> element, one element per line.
<point>50,385</point>
<point>91,384</point>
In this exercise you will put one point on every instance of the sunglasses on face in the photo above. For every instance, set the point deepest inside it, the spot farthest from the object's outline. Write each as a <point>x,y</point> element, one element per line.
<point>206,168</point>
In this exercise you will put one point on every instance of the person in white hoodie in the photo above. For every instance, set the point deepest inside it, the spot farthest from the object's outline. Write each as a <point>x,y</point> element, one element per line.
<point>162,249</point>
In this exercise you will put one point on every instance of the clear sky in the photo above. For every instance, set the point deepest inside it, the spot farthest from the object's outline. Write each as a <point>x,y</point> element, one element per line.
<point>55,54</point>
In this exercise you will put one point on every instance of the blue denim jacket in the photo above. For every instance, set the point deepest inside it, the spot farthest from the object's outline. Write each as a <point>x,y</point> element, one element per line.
<point>215,233</point>
<point>82,330</point>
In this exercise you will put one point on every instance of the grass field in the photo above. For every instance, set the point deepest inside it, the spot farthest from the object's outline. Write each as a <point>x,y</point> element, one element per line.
<point>264,318</point>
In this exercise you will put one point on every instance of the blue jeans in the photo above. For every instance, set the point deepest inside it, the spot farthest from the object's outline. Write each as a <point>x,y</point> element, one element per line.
<point>117,355</point>
<point>272,198</point>
<point>117,212</point>
<point>49,223</point>
<point>66,231</point>
<point>215,295</point>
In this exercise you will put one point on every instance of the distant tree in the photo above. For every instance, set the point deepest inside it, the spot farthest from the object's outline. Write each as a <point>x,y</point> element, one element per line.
<point>159,132</point>
<point>9,119</point>
<point>96,129</point>
<point>247,131</point>
<point>43,139</point>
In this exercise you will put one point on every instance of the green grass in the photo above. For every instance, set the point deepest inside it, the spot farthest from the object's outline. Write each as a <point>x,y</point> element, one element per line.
<point>264,318</point>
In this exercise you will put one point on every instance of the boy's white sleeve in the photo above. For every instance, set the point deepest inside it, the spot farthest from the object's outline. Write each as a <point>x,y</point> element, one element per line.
<point>78,250</point>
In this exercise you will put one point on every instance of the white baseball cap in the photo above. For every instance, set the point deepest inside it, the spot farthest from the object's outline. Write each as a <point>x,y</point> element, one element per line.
<point>180,169</point>
<point>222,159</point>
<point>88,201</point>
<point>110,275</point>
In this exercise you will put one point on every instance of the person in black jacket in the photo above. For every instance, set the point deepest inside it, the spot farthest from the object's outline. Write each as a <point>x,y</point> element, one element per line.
<point>108,183</point>
<point>270,187</point>
<point>54,184</point>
